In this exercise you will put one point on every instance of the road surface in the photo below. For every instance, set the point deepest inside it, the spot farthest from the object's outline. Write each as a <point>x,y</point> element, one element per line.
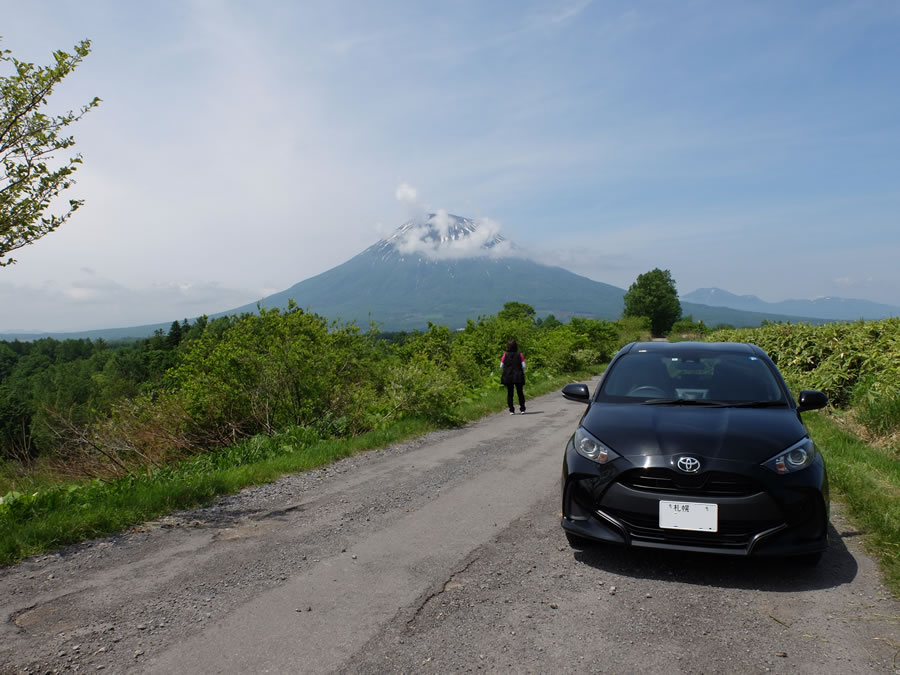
<point>440,555</point>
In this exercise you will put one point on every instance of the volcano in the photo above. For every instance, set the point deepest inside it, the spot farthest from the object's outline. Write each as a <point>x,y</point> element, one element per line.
<point>445,269</point>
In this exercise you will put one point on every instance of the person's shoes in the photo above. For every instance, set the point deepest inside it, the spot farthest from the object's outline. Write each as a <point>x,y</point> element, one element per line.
<point>512,412</point>
<point>522,410</point>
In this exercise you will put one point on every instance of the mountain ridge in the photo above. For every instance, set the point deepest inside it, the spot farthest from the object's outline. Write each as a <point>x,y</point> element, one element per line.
<point>830,307</point>
<point>445,270</point>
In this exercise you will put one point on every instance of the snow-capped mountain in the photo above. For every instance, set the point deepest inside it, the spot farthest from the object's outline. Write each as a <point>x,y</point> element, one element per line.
<point>444,236</point>
<point>444,269</point>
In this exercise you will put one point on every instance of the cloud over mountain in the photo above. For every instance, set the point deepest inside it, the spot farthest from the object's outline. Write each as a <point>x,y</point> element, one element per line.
<point>443,236</point>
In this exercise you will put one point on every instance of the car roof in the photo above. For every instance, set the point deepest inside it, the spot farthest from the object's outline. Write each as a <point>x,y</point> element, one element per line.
<point>688,347</point>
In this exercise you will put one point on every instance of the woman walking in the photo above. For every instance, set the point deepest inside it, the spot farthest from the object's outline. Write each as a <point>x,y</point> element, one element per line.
<point>513,375</point>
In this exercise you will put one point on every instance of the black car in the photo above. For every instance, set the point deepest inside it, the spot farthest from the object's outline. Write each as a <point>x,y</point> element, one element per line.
<point>697,447</point>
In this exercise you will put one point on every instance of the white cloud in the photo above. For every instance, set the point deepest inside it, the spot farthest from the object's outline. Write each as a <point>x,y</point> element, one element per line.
<point>590,261</point>
<point>91,302</point>
<point>571,11</point>
<point>406,193</point>
<point>443,237</point>
<point>853,282</point>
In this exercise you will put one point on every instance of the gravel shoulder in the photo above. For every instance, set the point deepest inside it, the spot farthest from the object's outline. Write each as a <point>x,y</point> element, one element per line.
<point>440,554</point>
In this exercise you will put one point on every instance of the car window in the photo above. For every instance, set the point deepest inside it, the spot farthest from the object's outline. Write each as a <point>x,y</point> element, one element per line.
<point>713,376</point>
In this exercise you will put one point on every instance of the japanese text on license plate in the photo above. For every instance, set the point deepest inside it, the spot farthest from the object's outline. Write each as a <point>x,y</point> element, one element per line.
<point>689,516</point>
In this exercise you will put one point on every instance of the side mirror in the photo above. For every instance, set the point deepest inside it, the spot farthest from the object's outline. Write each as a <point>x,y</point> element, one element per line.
<point>810,399</point>
<point>577,392</point>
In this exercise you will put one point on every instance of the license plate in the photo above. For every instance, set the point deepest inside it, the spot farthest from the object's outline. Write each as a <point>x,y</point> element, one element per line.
<point>689,516</point>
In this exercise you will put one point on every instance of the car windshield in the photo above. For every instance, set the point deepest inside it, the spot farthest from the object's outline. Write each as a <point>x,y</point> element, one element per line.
<point>696,378</point>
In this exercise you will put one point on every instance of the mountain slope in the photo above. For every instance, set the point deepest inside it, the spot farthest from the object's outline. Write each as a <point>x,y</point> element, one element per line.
<point>408,292</point>
<point>832,308</point>
<point>713,316</point>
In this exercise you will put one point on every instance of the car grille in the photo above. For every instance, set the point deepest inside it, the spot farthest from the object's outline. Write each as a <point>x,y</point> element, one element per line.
<point>730,535</point>
<point>709,483</point>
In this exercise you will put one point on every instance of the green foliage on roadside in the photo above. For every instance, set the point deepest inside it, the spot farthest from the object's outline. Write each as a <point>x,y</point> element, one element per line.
<point>78,408</point>
<point>49,388</point>
<point>687,328</point>
<point>270,371</point>
<point>868,480</point>
<point>856,364</point>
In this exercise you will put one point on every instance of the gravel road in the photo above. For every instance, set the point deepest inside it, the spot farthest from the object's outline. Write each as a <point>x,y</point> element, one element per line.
<point>439,555</point>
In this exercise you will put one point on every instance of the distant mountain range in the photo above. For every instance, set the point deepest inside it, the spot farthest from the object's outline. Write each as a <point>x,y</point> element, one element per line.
<point>448,269</point>
<point>833,309</point>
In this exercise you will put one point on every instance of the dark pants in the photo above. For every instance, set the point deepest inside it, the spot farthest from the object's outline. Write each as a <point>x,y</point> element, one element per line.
<point>509,396</point>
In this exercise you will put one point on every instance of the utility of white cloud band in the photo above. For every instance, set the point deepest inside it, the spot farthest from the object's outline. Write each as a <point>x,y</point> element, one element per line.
<point>443,236</point>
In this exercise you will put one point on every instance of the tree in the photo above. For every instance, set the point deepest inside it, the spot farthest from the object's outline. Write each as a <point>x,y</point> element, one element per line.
<point>653,295</point>
<point>514,311</point>
<point>548,322</point>
<point>175,335</point>
<point>31,179</point>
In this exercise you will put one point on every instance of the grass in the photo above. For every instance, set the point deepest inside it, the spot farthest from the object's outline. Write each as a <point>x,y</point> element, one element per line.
<point>880,416</point>
<point>867,480</point>
<point>46,516</point>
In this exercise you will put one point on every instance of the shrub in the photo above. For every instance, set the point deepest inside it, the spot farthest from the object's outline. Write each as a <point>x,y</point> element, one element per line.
<point>687,327</point>
<point>855,364</point>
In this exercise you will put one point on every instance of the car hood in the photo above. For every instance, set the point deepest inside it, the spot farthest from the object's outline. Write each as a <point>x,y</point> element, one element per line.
<point>748,434</point>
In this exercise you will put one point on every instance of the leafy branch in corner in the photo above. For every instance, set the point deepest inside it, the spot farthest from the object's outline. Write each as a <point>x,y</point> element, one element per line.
<point>29,137</point>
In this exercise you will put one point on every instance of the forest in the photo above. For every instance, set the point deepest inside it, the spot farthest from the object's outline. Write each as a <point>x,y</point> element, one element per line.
<point>82,408</point>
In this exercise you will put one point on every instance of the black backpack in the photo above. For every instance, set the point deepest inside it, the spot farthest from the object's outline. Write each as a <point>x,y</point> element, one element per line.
<point>512,369</point>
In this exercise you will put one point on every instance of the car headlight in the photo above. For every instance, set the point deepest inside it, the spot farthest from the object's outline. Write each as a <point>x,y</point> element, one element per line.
<point>799,456</point>
<point>590,448</point>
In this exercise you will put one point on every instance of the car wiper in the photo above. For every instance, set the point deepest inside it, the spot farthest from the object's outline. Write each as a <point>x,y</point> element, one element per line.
<point>683,401</point>
<point>757,404</point>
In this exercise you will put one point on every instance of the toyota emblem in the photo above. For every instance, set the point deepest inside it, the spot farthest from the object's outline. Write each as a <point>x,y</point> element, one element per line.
<point>688,464</point>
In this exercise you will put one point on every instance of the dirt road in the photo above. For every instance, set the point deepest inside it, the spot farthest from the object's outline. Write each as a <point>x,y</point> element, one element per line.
<point>440,555</point>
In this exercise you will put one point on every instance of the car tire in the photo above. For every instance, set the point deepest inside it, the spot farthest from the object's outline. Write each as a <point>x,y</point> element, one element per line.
<point>577,542</point>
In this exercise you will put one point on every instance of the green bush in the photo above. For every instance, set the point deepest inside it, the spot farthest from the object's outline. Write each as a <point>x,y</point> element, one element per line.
<point>688,327</point>
<point>855,363</point>
<point>113,412</point>
<point>633,329</point>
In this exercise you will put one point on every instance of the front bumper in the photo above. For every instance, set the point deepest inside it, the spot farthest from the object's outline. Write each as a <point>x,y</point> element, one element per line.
<point>757,514</point>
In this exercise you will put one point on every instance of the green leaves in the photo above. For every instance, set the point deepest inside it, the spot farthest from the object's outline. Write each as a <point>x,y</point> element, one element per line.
<point>111,411</point>
<point>32,177</point>
<point>856,363</point>
<point>653,295</point>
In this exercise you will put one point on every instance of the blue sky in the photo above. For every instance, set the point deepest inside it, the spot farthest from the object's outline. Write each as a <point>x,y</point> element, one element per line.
<point>242,147</point>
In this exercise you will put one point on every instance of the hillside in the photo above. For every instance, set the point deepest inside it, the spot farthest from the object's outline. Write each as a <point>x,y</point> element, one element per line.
<point>408,293</point>
<point>831,308</point>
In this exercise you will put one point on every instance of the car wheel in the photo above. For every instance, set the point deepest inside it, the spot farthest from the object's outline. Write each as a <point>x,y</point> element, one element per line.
<point>577,542</point>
